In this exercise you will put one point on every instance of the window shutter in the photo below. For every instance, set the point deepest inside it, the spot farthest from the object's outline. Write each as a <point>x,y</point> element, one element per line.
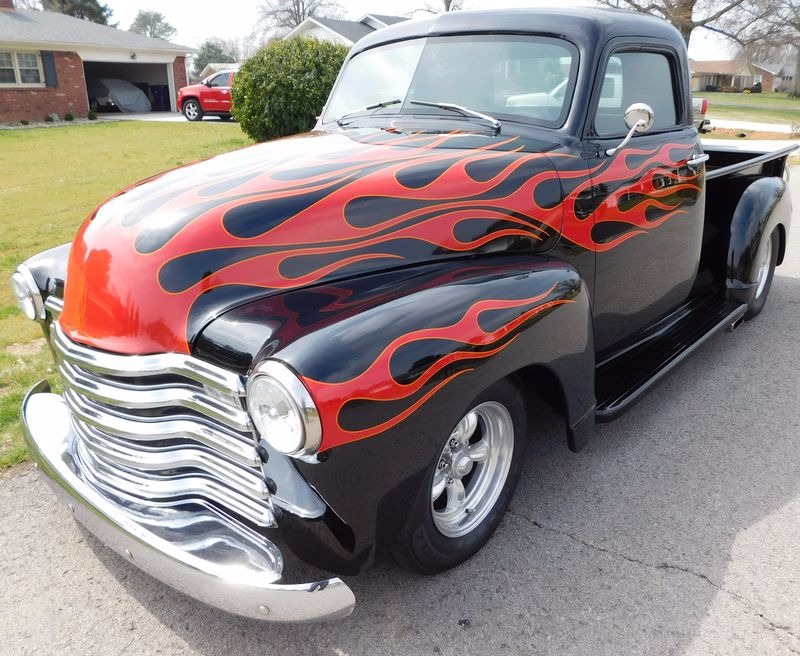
<point>49,66</point>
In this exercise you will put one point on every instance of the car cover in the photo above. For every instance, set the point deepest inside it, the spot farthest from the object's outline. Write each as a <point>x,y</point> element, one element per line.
<point>126,96</point>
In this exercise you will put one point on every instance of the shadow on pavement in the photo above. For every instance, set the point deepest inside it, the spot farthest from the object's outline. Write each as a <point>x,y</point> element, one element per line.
<point>621,549</point>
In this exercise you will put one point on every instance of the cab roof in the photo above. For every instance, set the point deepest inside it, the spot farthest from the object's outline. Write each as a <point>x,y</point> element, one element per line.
<point>583,25</point>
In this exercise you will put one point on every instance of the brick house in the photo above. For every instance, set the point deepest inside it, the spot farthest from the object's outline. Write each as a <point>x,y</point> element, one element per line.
<point>47,58</point>
<point>732,75</point>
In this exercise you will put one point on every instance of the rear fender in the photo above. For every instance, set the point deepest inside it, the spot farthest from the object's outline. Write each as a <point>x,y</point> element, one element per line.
<point>763,207</point>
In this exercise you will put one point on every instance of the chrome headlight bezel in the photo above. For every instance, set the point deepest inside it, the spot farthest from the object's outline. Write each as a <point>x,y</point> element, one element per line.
<point>29,297</point>
<point>278,374</point>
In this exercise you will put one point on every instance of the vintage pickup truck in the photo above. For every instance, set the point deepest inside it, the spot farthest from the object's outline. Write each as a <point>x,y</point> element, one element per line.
<point>301,354</point>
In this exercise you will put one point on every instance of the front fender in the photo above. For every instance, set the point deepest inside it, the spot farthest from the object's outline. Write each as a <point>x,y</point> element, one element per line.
<point>763,206</point>
<point>393,365</point>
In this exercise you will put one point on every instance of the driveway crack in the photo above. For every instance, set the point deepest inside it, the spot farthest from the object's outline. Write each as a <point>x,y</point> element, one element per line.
<point>771,625</point>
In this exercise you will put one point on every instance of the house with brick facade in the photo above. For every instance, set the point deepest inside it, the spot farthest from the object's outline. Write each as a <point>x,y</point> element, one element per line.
<point>48,60</point>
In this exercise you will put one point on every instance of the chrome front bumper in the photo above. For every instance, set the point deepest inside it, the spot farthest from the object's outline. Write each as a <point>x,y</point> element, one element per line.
<point>202,554</point>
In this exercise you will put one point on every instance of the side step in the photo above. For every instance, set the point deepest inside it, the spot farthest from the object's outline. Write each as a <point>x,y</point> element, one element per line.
<point>623,379</point>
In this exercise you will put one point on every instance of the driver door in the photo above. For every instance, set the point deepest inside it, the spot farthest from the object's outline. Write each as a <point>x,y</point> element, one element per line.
<point>649,196</point>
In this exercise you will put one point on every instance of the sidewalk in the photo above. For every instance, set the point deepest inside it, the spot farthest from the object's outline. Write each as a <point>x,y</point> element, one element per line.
<point>751,125</point>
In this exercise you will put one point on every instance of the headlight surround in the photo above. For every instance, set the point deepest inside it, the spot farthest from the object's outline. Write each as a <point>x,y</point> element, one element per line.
<point>282,410</point>
<point>29,298</point>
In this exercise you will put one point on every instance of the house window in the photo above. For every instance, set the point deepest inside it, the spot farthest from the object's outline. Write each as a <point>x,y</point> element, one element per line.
<point>21,69</point>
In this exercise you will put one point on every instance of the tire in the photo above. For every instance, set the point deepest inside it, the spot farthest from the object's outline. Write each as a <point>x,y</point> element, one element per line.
<point>439,532</point>
<point>225,117</point>
<point>192,110</point>
<point>765,275</point>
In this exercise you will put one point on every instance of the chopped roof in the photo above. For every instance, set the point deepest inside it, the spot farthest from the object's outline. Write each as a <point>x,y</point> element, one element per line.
<point>47,27</point>
<point>351,30</point>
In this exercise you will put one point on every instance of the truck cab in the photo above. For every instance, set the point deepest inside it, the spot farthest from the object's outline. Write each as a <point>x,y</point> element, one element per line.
<point>329,346</point>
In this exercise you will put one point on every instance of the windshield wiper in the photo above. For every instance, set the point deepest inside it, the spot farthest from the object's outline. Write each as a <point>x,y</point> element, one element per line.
<point>369,108</point>
<point>464,111</point>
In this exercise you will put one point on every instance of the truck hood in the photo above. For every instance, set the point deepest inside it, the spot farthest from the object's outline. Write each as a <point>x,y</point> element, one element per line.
<point>154,264</point>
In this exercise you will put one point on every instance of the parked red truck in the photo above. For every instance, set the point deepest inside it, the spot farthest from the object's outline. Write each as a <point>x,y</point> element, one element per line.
<point>211,97</point>
<point>328,346</point>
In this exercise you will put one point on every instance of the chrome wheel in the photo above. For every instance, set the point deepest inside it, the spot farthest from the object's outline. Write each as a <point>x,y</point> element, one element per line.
<point>191,110</point>
<point>763,269</point>
<point>472,469</point>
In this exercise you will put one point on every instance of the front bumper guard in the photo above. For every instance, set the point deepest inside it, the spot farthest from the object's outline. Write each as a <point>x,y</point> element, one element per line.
<point>198,553</point>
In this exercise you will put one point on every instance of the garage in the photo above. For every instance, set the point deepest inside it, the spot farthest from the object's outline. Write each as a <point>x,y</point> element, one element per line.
<point>153,80</point>
<point>56,59</point>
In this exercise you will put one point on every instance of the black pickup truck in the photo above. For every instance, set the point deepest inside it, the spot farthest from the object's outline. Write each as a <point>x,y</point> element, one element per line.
<point>311,350</point>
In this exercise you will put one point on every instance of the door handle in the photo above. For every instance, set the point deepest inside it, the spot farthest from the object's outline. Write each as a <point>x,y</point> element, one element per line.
<point>696,160</point>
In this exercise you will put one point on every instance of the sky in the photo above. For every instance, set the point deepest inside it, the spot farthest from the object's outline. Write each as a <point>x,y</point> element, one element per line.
<point>236,18</point>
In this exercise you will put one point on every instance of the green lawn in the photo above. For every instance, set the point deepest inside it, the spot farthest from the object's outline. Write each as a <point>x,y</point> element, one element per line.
<point>761,107</point>
<point>51,179</point>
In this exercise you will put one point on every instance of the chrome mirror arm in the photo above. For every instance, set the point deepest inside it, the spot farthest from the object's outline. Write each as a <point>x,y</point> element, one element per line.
<point>639,117</point>
<point>636,128</point>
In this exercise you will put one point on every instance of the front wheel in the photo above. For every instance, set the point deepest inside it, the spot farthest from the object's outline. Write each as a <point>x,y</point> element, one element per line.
<point>766,271</point>
<point>192,110</point>
<point>469,486</point>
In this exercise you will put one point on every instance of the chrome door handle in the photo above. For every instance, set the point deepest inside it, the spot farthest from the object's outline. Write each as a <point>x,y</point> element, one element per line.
<point>696,160</point>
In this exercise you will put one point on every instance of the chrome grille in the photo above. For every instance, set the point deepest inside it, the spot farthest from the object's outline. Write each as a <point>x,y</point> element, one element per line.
<point>163,429</point>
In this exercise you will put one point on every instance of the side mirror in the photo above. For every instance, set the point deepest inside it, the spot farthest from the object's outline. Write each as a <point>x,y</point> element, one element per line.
<point>639,117</point>
<point>207,83</point>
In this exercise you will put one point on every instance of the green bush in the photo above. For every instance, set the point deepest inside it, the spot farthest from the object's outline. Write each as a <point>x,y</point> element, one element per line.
<point>92,115</point>
<point>69,116</point>
<point>24,121</point>
<point>283,87</point>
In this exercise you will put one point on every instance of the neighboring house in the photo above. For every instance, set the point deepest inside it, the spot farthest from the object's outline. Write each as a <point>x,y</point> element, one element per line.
<point>775,77</point>
<point>343,31</point>
<point>727,75</point>
<point>47,58</point>
<point>723,75</point>
<point>210,69</point>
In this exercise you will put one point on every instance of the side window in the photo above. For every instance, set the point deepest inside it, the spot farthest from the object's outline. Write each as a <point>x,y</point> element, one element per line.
<point>635,77</point>
<point>220,80</point>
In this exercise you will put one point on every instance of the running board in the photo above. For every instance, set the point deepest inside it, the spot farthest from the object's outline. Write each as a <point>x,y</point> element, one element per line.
<point>623,380</point>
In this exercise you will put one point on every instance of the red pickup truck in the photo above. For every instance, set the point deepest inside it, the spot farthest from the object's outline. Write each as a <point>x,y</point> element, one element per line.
<point>211,97</point>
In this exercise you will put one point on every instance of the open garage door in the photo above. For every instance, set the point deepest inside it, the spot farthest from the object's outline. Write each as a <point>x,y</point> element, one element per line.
<point>154,80</point>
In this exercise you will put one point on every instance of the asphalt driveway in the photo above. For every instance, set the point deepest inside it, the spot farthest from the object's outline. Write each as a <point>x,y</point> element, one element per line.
<point>675,532</point>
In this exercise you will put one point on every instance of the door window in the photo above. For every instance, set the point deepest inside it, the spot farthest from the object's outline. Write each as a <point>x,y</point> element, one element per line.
<point>220,80</point>
<point>632,77</point>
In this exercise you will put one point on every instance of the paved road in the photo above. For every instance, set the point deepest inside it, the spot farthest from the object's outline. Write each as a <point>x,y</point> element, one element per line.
<point>675,532</point>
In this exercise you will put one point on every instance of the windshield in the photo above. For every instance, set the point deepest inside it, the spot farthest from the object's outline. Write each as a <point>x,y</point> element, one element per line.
<point>503,75</point>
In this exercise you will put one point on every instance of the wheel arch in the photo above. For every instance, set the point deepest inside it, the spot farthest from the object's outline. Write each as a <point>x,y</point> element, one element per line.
<point>764,207</point>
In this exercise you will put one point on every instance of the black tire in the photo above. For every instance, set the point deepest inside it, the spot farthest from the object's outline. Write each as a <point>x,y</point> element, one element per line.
<point>192,110</point>
<point>421,547</point>
<point>759,301</point>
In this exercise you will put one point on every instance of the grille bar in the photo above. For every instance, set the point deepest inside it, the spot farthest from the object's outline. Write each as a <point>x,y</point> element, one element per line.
<point>163,430</point>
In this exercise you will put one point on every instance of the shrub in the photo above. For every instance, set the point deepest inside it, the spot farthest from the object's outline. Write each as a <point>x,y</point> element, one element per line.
<point>49,118</point>
<point>24,121</point>
<point>69,116</point>
<point>92,115</point>
<point>283,87</point>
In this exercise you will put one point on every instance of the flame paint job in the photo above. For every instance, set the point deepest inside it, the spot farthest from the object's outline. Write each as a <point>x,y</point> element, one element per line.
<point>153,265</point>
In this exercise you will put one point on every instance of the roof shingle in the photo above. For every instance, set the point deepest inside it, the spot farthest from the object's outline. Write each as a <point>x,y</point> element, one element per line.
<point>44,28</point>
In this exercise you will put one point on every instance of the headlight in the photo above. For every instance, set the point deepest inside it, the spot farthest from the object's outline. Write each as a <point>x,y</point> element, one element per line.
<point>27,292</point>
<point>282,410</point>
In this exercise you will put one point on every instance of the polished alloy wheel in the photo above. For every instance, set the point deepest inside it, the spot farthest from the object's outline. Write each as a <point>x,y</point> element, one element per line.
<point>190,110</point>
<point>472,469</point>
<point>763,269</point>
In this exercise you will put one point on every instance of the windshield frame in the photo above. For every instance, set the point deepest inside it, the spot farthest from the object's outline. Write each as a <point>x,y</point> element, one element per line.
<point>327,119</point>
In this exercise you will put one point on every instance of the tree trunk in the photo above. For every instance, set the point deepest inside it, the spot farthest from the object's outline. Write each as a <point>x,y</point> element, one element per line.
<point>794,92</point>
